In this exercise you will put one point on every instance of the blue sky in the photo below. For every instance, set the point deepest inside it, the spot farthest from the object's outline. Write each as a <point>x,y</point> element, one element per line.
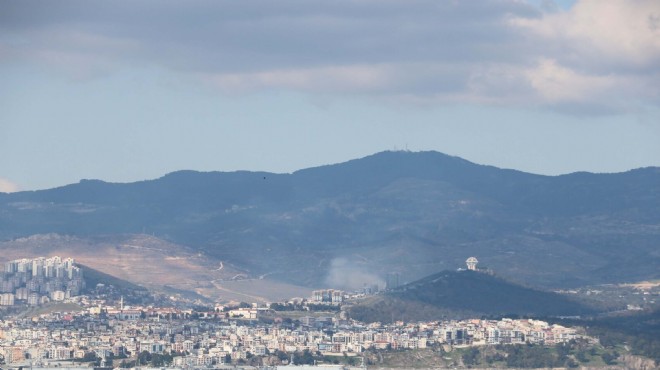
<point>131,90</point>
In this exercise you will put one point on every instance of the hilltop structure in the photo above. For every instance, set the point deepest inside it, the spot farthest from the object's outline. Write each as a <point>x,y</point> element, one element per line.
<point>472,263</point>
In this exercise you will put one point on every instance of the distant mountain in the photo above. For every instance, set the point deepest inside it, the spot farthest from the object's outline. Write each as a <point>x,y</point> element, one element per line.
<point>463,294</point>
<point>350,223</point>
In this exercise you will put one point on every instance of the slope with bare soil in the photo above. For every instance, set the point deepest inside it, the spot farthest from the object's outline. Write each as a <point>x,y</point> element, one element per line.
<point>153,263</point>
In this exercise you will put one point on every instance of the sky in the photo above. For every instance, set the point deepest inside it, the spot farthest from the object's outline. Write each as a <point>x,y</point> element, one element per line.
<point>129,90</point>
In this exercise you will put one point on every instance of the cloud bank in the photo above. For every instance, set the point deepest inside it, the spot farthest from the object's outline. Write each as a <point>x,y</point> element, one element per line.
<point>596,57</point>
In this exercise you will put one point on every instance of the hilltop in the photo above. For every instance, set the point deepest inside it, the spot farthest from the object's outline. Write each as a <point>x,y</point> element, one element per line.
<point>463,294</point>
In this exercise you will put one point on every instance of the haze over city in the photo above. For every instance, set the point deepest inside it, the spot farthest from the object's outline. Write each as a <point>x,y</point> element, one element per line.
<point>124,91</point>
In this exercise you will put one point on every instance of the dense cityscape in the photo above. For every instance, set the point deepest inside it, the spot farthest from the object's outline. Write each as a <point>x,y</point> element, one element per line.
<point>100,330</point>
<point>221,336</point>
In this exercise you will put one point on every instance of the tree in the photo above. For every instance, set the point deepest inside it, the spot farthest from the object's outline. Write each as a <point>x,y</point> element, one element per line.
<point>471,356</point>
<point>582,356</point>
<point>571,363</point>
<point>305,358</point>
<point>109,359</point>
<point>158,360</point>
<point>127,364</point>
<point>609,358</point>
<point>281,355</point>
<point>89,357</point>
<point>144,358</point>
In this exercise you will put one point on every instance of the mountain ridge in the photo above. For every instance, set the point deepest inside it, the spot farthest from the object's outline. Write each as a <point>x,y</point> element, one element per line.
<point>410,212</point>
<point>655,169</point>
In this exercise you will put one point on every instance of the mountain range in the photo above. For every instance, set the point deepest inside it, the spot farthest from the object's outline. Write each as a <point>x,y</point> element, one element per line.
<point>350,224</point>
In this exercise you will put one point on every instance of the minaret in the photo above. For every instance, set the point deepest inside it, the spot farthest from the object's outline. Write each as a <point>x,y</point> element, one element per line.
<point>121,303</point>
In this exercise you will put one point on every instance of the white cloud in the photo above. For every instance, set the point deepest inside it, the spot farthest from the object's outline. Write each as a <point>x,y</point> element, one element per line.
<point>488,52</point>
<point>602,35</point>
<point>602,54</point>
<point>556,84</point>
<point>7,186</point>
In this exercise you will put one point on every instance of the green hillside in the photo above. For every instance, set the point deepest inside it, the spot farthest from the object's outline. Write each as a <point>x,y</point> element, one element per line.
<point>463,294</point>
